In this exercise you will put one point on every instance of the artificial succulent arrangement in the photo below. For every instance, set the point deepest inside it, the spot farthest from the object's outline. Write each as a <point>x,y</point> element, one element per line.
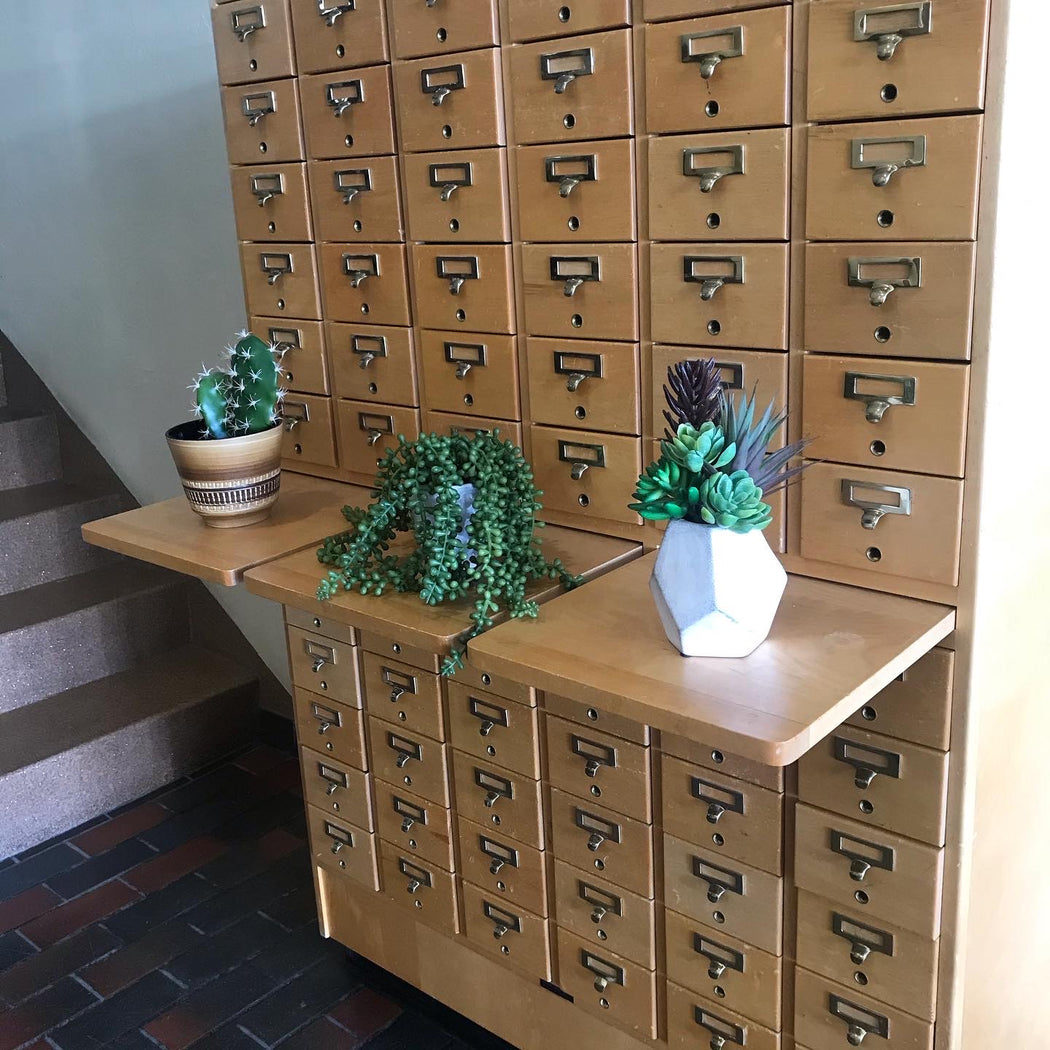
<point>479,542</point>
<point>714,467</point>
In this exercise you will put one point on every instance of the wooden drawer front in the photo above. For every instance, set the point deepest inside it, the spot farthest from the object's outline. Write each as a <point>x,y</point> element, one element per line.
<point>469,426</point>
<point>337,788</point>
<point>507,870</point>
<point>325,725</point>
<point>727,817</point>
<point>409,760</point>
<point>280,280</point>
<point>270,202</point>
<point>355,37</point>
<point>828,1016</point>
<point>723,969</point>
<point>922,545</point>
<point>749,307</point>
<point>924,292</point>
<point>275,136</point>
<point>437,29</point>
<point>724,894</point>
<point>457,197</point>
<point>474,675</point>
<point>466,286</point>
<point>428,890</point>
<point>304,362</point>
<point>593,765</point>
<point>660,10</point>
<point>324,665</point>
<point>341,632</point>
<point>356,201</point>
<point>694,1021</point>
<point>607,917</point>
<point>586,191</point>
<point>918,705</point>
<point>747,84</point>
<point>568,90</point>
<point>612,464</point>
<point>494,729</point>
<point>409,654</point>
<point>365,282</point>
<point>537,19</point>
<point>595,839</point>
<point>732,186</point>
<point>722,762</point>
<point>253,41</point>
<point>372,363</point>
<point>897,415</point>
<point>414,825</point>
<point>342,848</point>
<point>614,989</point>
<point>404,695</point>
<point>913,180</point>
<point>475,374</point>
<point>844,945</point>
<point>875,874</point>
<point>349,113</point>
<point>308,434</point>
<point>508,931</point>
<point>506,803</point>
<point>584,384</point>
<point>581,291</point>
<point>451,102</point>
<point>879,781</point>
<point>933,69</point>
<point>617,725</point>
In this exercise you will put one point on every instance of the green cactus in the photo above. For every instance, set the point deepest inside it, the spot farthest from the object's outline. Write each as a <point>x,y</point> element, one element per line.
<point>244,398</point>
<point>733,501</point>
<point>211,401</point>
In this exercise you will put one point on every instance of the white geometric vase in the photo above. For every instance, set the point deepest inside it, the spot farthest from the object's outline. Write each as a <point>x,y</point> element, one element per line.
<point>716,591</point>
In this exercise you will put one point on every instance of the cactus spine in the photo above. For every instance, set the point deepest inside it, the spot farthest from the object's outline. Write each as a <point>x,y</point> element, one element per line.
<point>243,398</point>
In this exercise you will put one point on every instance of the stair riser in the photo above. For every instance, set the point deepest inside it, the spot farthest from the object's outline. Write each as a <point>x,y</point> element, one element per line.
<point>29,452</point>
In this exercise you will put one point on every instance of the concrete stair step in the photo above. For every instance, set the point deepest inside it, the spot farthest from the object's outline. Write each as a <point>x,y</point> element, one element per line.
<point>87,750</point>
<point>29,452</point>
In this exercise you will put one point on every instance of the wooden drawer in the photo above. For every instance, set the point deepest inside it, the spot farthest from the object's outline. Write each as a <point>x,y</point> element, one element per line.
<point>373,363</point>
<point>596,839</point>
<point>508,871</point>
<point>410,760</point>
<point>747,61</point>
<point>924,292</point>
<point>584,291</point>
<point>694,1021</point>
<point>262,123</point>
<point>724,894</point>
<point>732,186</point>
<point>324,665</point>
<point>356,36</point>
<point>617,725</point>
<point>414,825</point>
<point>565,91</point>
<point>610,463</point>
<point>337,788</point>
<point>727,817</point>
<point>341,632</point>
<point>494,729</point>
<point>472,373</point>
<point>304,361</point>
<point>409,654</point>
<point>466,286</point>
<point>918,705</point>
<point>613,988</point>
<point>891,964</point>
<point>342,848</point>
<point>537,19</point>
<point>507,931</point>
<point>721,294</point>
<point>349,113</point>
<point>920,545</point>
<point>325,725</point>
<point>723,969</point>
<point>356,201</point>
<point>719,761</point>
<point>280,280</point>
<point>877,875</point>
<point>403,694</point>
<point>879,781</point>
<point>365,282</point>
<point>828,1016</point>
<point>271,203</point>
<point>593,765</point>
<point>585,191</point>
<point>894,180</point>
<point>584,384</point>
<point>470,426</point>
<point>452,102</point>
<point>437,29</point>
<point>607,917</point>
<point>856,69</point>
<point>308,433</point>
<point>505,802</point>
<point>660,10</point>
<point>428,890</point>
<point>457,197</point>
<point>253,41</point>
<point>474,675</point>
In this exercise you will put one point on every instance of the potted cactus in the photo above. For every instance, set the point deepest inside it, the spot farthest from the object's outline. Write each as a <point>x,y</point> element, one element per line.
<point>229,455</point>
<point>716,583</point>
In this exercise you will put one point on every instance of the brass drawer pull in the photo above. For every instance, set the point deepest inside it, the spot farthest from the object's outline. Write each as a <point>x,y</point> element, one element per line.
<point>720,800</point>
<point>247,20</point>
<point>881,287</point>
<point>495,787</point>
<point>275,265</point>
<point>258,105</point>
<point>368,348</point>
<point>285,339</point>
<point>360,267</point>
<point>578,367</point>
<point>877,405</point>
<point>320,654</point>
<point>450,177</point>
<point>335,778</point>
<point>872,511</point>
<point>410,814</point>
<point>399,682</point>
<point>600,830</point>
<point>716,272</point>
<point>352,182</point>
<point>710,58</point>
<point>574,271</point>
<point>710,174</point>
<point>563,67</point>
<point>863,939</point>
<point>568,171</point>
<point>503,922</point>
<point>327,716</point>
<point>605,973</point>
<point>466,356</point>
<point>417,877</point>
<point>872,153</point>
<point>582,457</point>
<point>332,13</point>
<point>862,854</point>
<point>601,902</point>
<point>341,837</point>
<point>294,413</point>
<point>457,270</point>
<point>343,94</point>
<point>719,956</point>
<point>266,186</point>
<point>499,855</point>
<point>490,715</point>
<point>868,761</point>
<point>435,83</point>
<point>595,755</point>
<point>722,1031</point>
<point>406,750</point>
<point>719,880</point>
<point>860,1022</point>
<point>887,33</point>
<point>375,426</point>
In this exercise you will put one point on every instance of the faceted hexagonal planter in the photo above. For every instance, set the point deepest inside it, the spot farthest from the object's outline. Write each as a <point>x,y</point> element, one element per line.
<point>716,591</point>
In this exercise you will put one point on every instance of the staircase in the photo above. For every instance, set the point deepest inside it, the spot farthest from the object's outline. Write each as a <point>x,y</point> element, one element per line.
<point>104,693</point>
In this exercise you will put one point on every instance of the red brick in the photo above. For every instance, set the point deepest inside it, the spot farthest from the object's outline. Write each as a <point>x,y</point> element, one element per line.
<point>104,836</point>
<point>365,1013</point>
<point>74,915</point>
<point>154,874</point>
<point>260,759</point>
<point>26,906</point>
<point>152,950</point>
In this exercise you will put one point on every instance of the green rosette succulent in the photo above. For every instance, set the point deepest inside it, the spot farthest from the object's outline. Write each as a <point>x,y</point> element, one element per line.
<point>699,449</point>
<point>733,501</point>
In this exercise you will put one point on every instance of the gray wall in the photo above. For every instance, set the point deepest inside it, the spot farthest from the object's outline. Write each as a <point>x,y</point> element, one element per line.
<point>118,255</point>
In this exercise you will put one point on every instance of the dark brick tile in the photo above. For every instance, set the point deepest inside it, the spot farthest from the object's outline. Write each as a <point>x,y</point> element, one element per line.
<point>155,794</point>
<point>157,908</point>
<point>234,945</point>
<point>365,1013</point>
<point>49,1008</point>
<point>227,759</point>
<point>93,872</point>
<point>412,1031</point>
<point>251,857</point>
<point>294,909</point>
<point>225,780</point>
<point>297,825</point>
<point>297,952</point>
<point>133,1040</point>
<point>120,828</point>
<point>153,950</point>
<point>158,872</point>
<point>41,847</point>
<point>323,1034</point>
<point>26,906</point>
<point>19,877</point>
<point>229,1037</point>
<point>46,967</point>
<point>260,759</point>
<point>13,949</point>
<point>75,914</point>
